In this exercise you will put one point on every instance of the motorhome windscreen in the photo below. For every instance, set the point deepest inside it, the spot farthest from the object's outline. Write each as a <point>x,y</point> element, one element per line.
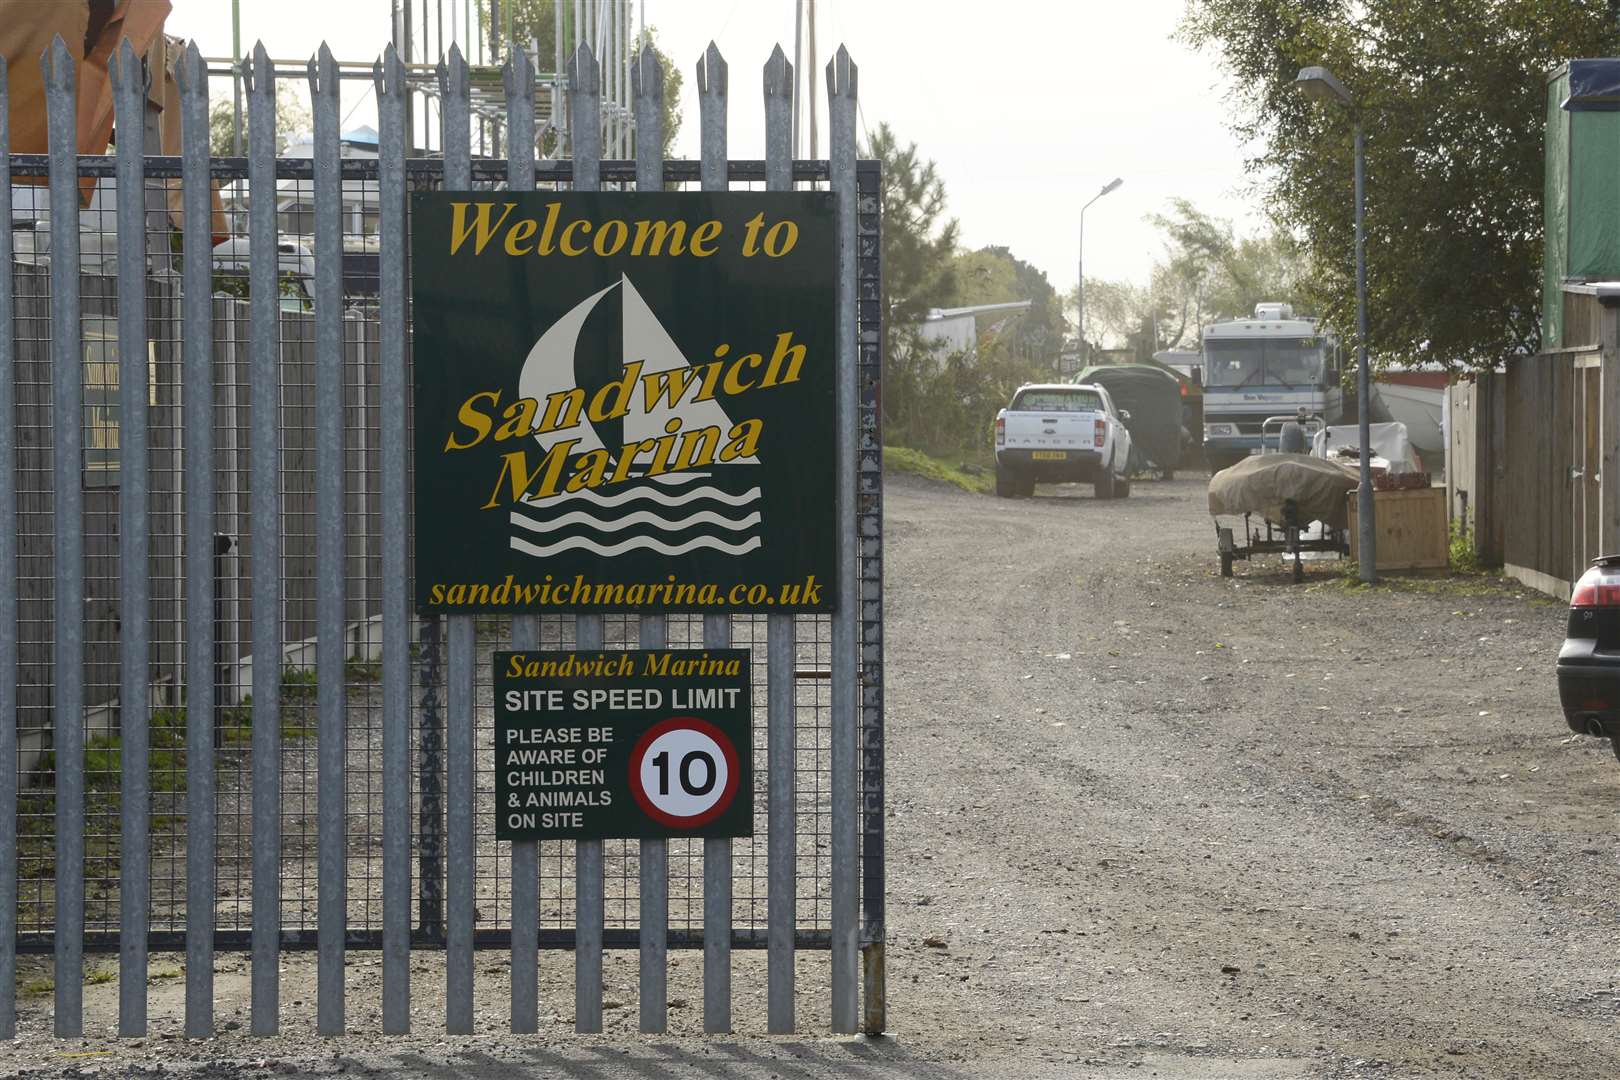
<point>1234,362</point>
<point>1075,400</point>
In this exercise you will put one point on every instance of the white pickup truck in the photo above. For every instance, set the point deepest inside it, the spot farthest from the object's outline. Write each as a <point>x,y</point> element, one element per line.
<point>1056,433</point>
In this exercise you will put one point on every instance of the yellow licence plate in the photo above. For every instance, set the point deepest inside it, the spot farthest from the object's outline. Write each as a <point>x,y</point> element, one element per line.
<point>1049,455</point>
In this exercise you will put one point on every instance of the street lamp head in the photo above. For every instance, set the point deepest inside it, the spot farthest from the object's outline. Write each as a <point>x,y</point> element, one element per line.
<point>1321,84</point>
<point>1111,185</point>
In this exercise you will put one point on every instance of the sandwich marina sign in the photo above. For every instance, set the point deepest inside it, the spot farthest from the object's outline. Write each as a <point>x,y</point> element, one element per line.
<point>625,401</point>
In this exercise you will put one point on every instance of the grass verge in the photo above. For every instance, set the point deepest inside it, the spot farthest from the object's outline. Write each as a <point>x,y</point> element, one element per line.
<point>905,459</point>
<point>166,774</point>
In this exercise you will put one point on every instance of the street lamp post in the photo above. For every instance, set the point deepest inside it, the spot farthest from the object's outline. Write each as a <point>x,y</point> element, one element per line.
<point>1080,291</point>
<point>1321,84</point>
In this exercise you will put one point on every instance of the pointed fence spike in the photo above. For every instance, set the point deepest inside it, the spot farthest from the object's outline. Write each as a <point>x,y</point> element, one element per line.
<point>584,75</point>
<point>711,71</point>
<point>712,79</point>
<point>56,63</point>
<point>120,67</point>
<point>778,74</point>
<point>264,72</point>
<point>189,73</point>
<point>517,74</point>
<point>388,73</point>
<point>841,74</point>
<point>323,74</point>
<point>453,74</point>
<point>647,76</point>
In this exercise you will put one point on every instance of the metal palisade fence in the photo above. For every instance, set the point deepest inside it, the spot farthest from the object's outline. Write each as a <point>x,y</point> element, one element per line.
<point>222,727</point>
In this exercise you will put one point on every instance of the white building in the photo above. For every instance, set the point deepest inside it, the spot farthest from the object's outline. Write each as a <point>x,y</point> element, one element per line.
<point>957,329</point>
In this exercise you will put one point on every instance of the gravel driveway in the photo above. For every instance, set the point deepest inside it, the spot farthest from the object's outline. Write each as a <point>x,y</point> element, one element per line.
<point>1144,821</point>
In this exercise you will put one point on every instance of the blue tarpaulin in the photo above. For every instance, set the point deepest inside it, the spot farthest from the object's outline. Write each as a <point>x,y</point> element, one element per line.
<point>1594,86</point>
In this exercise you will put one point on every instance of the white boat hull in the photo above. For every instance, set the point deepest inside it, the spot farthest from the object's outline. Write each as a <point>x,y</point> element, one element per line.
<point>1422,410</point>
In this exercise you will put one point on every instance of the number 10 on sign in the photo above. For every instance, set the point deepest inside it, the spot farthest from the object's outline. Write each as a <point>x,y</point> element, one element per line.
<point>684,772</point>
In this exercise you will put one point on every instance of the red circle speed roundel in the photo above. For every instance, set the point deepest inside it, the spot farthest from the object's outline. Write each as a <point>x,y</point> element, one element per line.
<point>683,772</point>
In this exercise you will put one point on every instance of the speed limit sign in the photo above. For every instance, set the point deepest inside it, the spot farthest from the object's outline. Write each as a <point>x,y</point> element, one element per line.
<point>684,772</point>
<point>639,743</point>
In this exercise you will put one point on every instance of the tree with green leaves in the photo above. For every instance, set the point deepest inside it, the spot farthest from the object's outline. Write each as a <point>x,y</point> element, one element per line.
<point>1452,100</point>
<point>292,119</point>
<point>994,275</point>
<point>1208,272</point>
<point>918,273</point>
<point>534,22</point>
<point>918,239</point>
<point>1214,273</point>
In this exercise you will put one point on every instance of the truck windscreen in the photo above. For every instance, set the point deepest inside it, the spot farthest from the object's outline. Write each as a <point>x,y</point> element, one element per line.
<point>1234,362</point>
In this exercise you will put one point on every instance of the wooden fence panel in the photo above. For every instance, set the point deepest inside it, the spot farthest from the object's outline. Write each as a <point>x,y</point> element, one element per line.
<point>1539,451</point>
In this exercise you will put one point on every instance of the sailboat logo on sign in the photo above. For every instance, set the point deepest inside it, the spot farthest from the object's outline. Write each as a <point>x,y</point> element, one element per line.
<point>668,512</point>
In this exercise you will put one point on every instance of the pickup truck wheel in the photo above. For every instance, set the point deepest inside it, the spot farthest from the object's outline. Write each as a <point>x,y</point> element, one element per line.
<point>1104,486</point>
<point>1006,483</point>
<point>1226,564</point>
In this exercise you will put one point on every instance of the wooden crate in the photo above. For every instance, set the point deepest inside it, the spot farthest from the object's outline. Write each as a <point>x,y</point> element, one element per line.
<point>1410,529</point>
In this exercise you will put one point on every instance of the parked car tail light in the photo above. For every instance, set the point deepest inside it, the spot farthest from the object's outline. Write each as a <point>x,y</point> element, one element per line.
<point>1001,431</point>
<point>1598,587</point>
<point>1102,432</point>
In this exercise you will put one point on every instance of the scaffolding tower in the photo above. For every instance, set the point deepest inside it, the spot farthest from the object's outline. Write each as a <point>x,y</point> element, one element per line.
<point>423,33</point>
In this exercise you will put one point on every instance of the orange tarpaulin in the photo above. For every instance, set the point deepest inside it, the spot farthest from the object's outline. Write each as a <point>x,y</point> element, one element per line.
<point>139,20</point>
<point>26,30</point>
<point>93,30</point>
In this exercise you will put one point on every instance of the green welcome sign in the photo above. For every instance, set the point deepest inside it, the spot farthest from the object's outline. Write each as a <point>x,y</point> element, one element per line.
<point>624,401</point>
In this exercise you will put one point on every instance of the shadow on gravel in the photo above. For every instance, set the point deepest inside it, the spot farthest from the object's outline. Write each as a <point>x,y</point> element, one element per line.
<point>657,1060</point>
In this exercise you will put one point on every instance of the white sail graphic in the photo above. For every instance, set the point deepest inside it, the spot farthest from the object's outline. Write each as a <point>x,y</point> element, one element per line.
<point>645,339</point>
<point>688,510</point>
<point>549,369</point>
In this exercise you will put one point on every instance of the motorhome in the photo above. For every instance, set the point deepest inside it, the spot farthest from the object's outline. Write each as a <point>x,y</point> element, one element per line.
<point>1274,364</point>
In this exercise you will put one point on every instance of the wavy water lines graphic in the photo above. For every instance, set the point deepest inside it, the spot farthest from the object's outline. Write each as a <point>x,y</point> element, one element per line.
<point>652,494</point>
<point>646,542</point>
<point>642,517</point>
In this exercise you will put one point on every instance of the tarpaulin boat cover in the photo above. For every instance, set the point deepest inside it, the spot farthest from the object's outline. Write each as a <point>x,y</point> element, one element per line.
<point>1262,483</point>
<point>1152,395</point>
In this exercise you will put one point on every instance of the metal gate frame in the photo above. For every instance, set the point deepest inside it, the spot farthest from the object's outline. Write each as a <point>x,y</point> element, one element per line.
<point>445,822</point>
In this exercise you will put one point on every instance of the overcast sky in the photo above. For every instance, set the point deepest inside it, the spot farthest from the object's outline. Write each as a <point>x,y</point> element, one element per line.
<point>1028,106</point>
